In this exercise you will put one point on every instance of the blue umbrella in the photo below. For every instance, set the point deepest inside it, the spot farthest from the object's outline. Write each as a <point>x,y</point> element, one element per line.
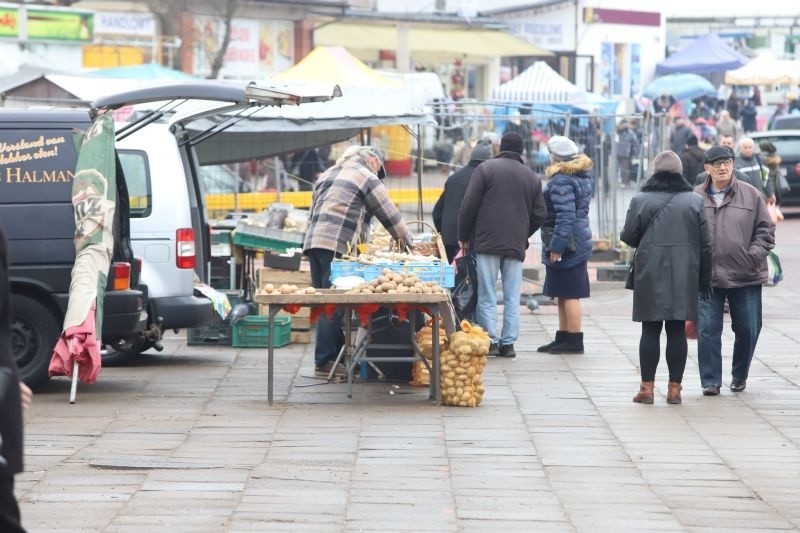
<point>680,86</point>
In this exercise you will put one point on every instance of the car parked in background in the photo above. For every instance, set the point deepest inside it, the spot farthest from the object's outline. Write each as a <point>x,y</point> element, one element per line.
<point>787,143</point>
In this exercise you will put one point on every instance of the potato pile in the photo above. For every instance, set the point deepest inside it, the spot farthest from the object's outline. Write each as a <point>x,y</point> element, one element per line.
<point>462,366</point>
<point>420,376</point>
<point>270,288</point>
<point>390,282</point>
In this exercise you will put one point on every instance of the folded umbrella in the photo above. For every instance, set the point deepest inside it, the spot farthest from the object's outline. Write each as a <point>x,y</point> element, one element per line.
<point>94,191</point>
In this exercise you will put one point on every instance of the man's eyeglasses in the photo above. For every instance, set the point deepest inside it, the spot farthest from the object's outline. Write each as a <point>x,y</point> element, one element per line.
<point>718,163</point>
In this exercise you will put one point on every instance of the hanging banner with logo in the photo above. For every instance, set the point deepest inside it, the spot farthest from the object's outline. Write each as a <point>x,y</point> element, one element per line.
<point>52,25</point>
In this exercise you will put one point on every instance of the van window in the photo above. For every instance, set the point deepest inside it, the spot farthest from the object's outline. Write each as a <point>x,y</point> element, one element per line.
<point>137,176</point>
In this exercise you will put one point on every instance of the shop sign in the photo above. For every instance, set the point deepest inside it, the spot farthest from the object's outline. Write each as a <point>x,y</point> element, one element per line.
<point>52,25</point>
<point>116,23</point>
<point>8,22</point>
<point>593,15</point>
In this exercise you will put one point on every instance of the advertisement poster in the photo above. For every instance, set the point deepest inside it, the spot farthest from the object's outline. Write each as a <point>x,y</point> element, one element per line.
<point>607,69</point>
<point>636,69</point>
<point>617,74</point>
<point>50,25</point>
<point>256,48</point>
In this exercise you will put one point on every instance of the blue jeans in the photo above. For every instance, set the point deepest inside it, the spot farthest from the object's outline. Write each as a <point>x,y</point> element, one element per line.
<point>329,330</point>
<point>510,271</point>
<point>745,308</point>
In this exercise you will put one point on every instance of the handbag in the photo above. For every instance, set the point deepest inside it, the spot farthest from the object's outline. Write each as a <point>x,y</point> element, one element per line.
<point>546,232</point>
<point>547,237</point>
<point>631,269</point>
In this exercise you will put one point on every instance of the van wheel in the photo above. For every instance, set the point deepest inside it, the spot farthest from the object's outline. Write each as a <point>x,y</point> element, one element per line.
<point>34,332</point>
<point>114,357</point>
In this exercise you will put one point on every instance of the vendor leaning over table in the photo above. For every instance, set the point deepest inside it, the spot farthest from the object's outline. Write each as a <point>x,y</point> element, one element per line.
<point>345,198</point>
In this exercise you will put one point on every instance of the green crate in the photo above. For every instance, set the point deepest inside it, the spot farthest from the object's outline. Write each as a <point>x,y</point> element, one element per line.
<point>217,333</point>
<point>252,332</point>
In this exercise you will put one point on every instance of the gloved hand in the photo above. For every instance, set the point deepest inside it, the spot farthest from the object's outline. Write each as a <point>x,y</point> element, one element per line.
<point>706,291</point>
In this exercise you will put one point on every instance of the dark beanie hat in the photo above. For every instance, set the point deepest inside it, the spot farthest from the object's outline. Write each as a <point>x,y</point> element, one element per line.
<point>692,140</point>
<point>512,142</point>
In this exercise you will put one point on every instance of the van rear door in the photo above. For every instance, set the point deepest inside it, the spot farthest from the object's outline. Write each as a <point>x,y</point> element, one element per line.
<point>217,102</point>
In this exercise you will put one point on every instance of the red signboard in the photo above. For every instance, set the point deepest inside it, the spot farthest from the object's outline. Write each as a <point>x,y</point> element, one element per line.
<point>620,16</point>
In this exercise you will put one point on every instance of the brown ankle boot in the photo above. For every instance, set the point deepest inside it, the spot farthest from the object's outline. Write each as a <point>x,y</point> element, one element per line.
<point>645,392</point>
<point>674,392</point>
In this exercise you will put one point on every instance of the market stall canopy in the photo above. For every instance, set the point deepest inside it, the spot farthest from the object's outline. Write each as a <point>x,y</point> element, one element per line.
<point>765,69</point>
<point>334,64</point>
<point>473,42</point>
<point>680,86</point>
<point>540,84</point>
<point>707,53</point>
<point>275,131</point>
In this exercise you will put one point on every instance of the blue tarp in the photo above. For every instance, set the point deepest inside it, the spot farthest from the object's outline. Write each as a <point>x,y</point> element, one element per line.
<point>705,54</point>
<point>680,86</point>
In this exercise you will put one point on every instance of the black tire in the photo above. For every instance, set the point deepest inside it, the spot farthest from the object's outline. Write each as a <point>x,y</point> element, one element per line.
<point>112,357</point>
<point>34,332</point>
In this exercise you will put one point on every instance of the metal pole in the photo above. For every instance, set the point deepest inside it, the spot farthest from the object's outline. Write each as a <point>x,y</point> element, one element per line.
<point>612,180</point>
<point>276,164</point>
<point>420,151</point>
<point>566,126</point>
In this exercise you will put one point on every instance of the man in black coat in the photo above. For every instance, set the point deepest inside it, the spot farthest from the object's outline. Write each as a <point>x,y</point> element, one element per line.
<point>502,207</point>
<point>445,212</point>
<point>10,408</point>
<point>692,159</point>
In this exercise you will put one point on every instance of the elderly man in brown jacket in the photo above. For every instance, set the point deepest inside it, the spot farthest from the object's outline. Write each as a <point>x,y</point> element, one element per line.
<point>345,198</point>
<point>742,234</point>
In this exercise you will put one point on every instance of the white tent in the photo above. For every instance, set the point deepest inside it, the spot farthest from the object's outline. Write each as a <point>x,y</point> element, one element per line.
<point>540,84</point>
<point>765,69</point>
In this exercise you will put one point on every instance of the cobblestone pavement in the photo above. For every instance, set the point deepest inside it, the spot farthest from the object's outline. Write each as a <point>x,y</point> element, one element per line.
<point>185,441</point>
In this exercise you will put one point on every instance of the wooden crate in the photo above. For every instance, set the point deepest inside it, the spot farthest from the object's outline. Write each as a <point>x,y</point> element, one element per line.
<point>301,336</point>
<point>301,323</point>
<point>279,277</point>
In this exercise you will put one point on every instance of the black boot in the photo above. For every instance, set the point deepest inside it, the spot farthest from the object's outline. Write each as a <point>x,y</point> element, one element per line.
<point>558,340</point>
<point>572,344</point>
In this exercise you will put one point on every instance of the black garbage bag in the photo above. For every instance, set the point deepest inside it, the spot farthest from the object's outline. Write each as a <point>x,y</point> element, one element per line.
<point>465,292</point>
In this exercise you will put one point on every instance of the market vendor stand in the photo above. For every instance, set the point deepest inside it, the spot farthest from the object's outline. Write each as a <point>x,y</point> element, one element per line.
<point>364,305</point>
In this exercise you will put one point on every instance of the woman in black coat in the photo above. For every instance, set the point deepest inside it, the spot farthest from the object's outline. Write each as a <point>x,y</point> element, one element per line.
<point>667,225</point>
<point>10,408</point>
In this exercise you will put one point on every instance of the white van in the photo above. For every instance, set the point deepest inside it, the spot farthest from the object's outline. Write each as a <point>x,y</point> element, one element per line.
<point>168,225</point>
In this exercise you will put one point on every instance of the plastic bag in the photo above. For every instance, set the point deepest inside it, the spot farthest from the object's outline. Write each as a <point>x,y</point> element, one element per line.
<point>775,272</point>
<point>465,292</point>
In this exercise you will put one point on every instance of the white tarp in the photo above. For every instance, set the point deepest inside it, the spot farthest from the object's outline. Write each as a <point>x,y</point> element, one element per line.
<point>765,69</point>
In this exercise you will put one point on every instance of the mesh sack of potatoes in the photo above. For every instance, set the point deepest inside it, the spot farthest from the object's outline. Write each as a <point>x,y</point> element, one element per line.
<point>420,376</point>
<point>462,366</point>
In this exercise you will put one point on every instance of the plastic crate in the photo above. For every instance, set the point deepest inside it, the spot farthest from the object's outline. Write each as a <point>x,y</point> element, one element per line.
<point>283,262</point>
<point>215,334</point>
<point>252,332</point>
<point>249,236</point>
<point>444,275</point>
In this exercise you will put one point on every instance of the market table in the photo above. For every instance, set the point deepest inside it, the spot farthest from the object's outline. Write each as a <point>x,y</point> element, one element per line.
<point>435,303</point>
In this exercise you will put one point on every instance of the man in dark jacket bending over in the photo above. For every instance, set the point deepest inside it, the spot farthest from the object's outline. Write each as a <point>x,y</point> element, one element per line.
<point>502,208</point>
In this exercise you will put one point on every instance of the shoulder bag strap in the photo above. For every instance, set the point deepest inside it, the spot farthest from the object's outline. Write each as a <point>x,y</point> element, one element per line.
<point>656,216</point>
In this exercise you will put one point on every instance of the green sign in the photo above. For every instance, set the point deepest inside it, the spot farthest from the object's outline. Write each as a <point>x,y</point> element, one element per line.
<point>8,22</point>
<point>60,25</point>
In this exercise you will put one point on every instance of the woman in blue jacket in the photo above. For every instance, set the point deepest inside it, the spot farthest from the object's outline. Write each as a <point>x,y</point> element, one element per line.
<point>567,240</point>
